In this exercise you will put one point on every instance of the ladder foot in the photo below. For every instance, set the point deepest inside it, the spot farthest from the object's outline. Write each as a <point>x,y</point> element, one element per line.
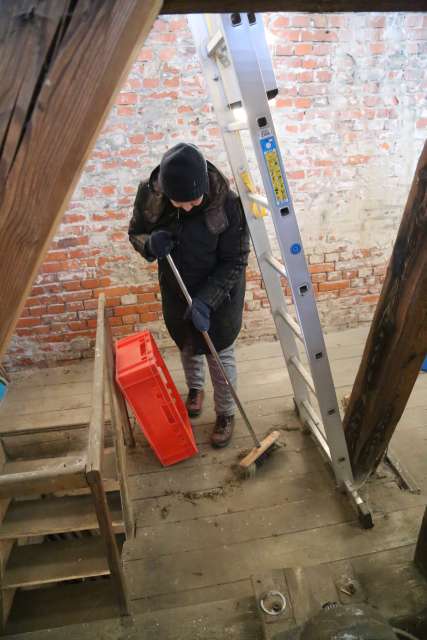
<point>364,513</point>
<point>296,408</point>
<point>365,519</point>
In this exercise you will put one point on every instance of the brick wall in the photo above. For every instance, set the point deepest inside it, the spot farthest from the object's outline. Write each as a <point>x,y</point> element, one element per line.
<point>352,118</point>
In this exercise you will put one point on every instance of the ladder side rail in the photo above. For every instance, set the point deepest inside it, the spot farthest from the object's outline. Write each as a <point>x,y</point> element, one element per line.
<point>242,48</point>
<point>237,159</point>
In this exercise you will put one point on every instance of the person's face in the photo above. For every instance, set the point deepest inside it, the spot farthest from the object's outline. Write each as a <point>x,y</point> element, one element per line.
<point>187,206</point>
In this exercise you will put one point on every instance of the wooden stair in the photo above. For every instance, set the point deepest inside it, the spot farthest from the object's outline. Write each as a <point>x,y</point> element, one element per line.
<point>53,475</point>
<point>63,515</point>
<point>34,565</point>
<point>52,515</point>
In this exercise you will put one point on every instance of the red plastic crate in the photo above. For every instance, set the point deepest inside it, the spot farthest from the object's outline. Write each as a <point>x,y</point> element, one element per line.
<point>143,377</point>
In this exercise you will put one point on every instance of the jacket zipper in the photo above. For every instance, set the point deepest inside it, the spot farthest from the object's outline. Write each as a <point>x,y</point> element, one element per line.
<point>179,229</point>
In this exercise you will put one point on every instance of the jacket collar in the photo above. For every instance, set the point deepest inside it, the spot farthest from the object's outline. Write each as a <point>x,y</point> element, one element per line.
<point>214,212</point>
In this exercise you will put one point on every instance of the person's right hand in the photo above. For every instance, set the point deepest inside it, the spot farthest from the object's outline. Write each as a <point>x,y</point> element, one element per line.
<point>160,243</point>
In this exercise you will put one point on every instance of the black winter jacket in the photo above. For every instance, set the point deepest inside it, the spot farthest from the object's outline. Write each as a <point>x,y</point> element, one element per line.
<point>211,254</point>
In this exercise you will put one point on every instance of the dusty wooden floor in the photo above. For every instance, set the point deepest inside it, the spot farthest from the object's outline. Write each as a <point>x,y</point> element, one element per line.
<point>201,533</point>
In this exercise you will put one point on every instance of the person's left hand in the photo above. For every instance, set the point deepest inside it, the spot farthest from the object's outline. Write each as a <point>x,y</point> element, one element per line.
<point>199,313</point>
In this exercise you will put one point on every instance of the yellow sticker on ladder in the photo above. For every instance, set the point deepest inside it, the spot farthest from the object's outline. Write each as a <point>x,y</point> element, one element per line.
<point>272,161</point>
<point>257,210</point>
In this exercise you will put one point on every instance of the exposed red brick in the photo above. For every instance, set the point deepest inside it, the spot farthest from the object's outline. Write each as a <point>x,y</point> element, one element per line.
<point>279,22</point>
<point>301,21</point>
<point>303,49</point>
<point>132,318</point>
<point>146,297</point>
<point>322,267</point>
<point>284,102</point>
<point>148,316</point>
<point>56,308</point>
<point>72,242</point>
<point>126,310</point>
<point>283,49</point>
<point>91,304</point>
<point>296,175</point>
<point>28,322</point>
<point>126,110</point>
<point>319,35</point>
<point>126,98</point>
<point>333,286</point>
<point>146,54</point>
<point>337,21</point>
<point>292,35</point>
<point>72,285</point>
<point>378,22</point>
<point>36,312</point>
<point>77,295</point>
<point>371,299</point>
<point>122,330</point>
<point>77,325</point>
<point>377,48</point>
<point>95,283</point>
<point>359,159</point>
<point>74,306</point>
<point>303,103</point>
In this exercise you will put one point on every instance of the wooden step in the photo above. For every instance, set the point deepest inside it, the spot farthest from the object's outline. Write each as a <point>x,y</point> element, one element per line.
<point>57,561</point>
<point>56,515</point>
<point>44,475</point>
<point>20,478</point>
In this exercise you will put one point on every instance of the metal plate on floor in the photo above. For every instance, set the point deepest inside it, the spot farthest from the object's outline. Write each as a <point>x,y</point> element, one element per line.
<point>288,597</point>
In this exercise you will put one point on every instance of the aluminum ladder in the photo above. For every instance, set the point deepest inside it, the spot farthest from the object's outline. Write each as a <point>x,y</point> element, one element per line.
<point>237,67</point>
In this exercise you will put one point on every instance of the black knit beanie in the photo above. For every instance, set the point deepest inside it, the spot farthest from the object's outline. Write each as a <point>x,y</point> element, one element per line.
<point>183,173</point>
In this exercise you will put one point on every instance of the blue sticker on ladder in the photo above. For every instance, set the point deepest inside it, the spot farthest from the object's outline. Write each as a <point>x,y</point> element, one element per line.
<point>296,248</point>
<point>273,165</point>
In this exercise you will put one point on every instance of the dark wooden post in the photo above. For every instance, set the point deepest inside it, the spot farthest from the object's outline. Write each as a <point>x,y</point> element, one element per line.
<point>397,341</point>
<point>421,549</point>
<point>60,65</point>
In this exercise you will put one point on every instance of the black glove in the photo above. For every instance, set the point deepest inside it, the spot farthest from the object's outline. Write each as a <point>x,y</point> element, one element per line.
<point>199,313</point>
<point>160,243</point>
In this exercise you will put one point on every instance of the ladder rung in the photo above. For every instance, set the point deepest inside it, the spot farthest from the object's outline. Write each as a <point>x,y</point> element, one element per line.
<point>303,372</point>
<point>239,125</point>
<point>292,324</point>
<point>276,264</point>
<point>214,42</point>
<point>259,199</point>
<point>314,423</point>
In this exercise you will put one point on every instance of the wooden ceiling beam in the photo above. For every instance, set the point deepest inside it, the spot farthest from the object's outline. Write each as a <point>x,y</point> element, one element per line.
<point>61,64</point>
<point>300,6</point>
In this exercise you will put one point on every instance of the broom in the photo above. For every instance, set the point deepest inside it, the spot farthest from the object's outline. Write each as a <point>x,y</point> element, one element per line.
<point>263,448</point>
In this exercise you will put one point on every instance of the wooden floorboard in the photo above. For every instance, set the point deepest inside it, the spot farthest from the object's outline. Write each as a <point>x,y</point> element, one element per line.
<point>226,563</point>
<point>201,531</point>
<point>221,611</point>
<point>228,619</point>
<point>226,529</point>
<point>92,599</point>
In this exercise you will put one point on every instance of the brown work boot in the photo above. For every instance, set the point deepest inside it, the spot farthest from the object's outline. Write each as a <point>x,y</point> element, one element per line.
<point>223,430</point>
<point>194,402</point>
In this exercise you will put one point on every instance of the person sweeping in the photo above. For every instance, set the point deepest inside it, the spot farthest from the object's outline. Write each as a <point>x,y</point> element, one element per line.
<point>187,209</point>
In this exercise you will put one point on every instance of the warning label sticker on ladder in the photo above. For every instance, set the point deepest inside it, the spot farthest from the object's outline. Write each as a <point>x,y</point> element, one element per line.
<point>271,157</point>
